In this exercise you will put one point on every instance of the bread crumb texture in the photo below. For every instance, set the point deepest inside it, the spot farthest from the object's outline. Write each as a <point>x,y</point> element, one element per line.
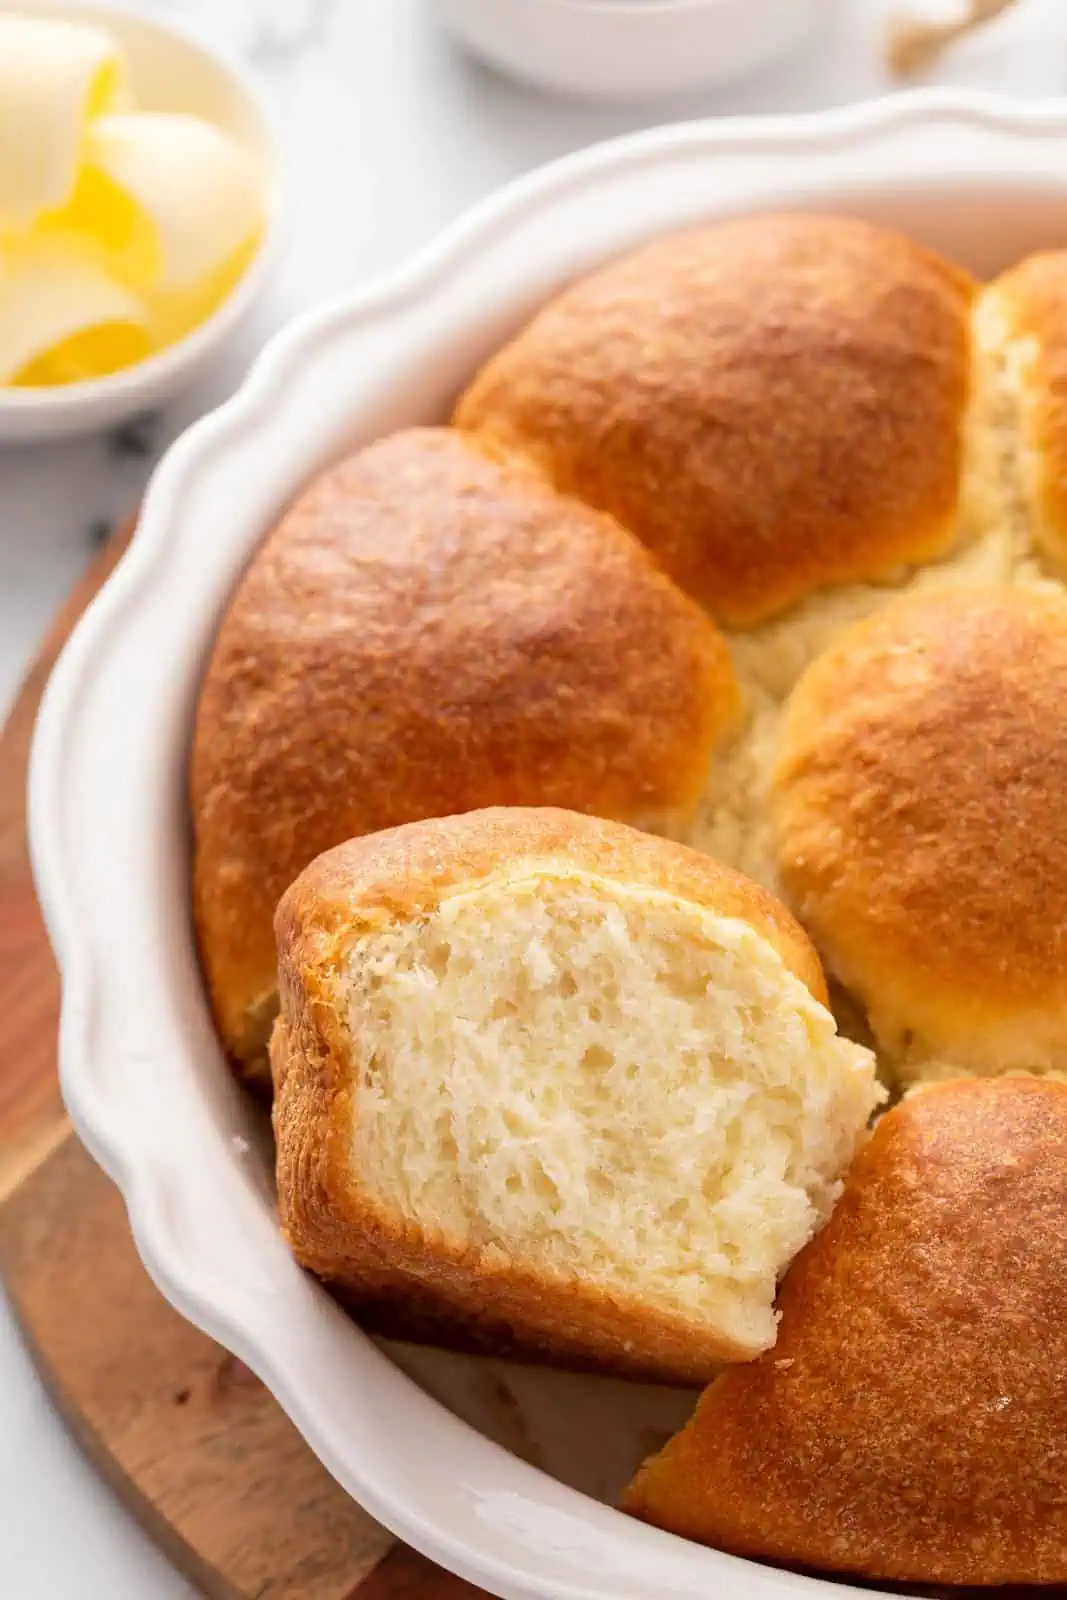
<point>546,1077</point>
<point>617,1085</point>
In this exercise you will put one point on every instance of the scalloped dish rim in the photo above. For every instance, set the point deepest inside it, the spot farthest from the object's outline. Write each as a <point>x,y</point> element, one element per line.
<point>140,1070</point>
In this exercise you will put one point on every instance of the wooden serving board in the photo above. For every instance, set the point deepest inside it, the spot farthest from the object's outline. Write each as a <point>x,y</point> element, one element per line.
<point>190,1440</point>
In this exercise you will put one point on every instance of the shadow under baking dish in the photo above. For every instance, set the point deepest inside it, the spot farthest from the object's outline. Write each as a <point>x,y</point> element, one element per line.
<point>142,1070</point>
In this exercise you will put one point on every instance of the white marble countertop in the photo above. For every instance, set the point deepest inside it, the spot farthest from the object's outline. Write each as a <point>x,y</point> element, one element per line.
<point>390,134</point>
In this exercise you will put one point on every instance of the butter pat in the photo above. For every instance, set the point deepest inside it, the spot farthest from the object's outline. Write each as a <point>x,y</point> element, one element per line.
<point>55,77</point>
<point>176,196</point>
<point>62,317</point>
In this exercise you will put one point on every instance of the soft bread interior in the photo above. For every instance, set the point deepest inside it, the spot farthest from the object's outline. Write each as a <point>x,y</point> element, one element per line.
<point>732,821</point>
<point>1002,484</point>
<point>602,1083</point>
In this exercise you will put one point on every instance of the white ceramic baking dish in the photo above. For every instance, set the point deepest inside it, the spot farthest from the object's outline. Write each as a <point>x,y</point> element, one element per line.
<point>141,1071</point>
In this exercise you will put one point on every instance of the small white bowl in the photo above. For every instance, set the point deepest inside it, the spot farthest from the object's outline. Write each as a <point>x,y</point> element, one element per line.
<point>629,49</point>
<point>169,71</point>
<point>143,1076</point>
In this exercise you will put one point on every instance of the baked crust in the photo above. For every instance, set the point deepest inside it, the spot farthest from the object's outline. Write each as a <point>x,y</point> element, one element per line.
<point>399,1279</point>
<point>922,836</point>
<point>428,631</point>
<point>771,404</point>
<point>911,1422</point>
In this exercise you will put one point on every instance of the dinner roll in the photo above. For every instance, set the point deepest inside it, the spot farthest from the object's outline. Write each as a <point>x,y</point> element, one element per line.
<point>772,404</point>
<point>921,826</point>
<point>548,1085</point>
<point>910,1424</point>
<point>429,630</point>
<point>1017,455</point>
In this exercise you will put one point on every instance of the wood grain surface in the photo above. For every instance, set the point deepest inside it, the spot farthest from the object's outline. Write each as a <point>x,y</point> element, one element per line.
<point>190,1440</point>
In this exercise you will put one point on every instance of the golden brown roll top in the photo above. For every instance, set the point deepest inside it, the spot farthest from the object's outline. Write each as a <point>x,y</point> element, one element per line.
<point>771,404</point>
<point>406,872</point>
<point>429,630</point>
<point>910,1424</point>
<point>922,830</point>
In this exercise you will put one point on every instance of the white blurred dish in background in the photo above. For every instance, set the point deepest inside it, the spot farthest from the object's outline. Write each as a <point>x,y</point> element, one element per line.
<point>630,49</point>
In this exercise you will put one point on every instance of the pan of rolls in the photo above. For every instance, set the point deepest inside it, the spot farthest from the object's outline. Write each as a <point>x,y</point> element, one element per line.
<point>619,806</point>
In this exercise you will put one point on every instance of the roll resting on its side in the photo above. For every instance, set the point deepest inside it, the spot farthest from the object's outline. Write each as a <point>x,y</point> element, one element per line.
<point>548,1085</point>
